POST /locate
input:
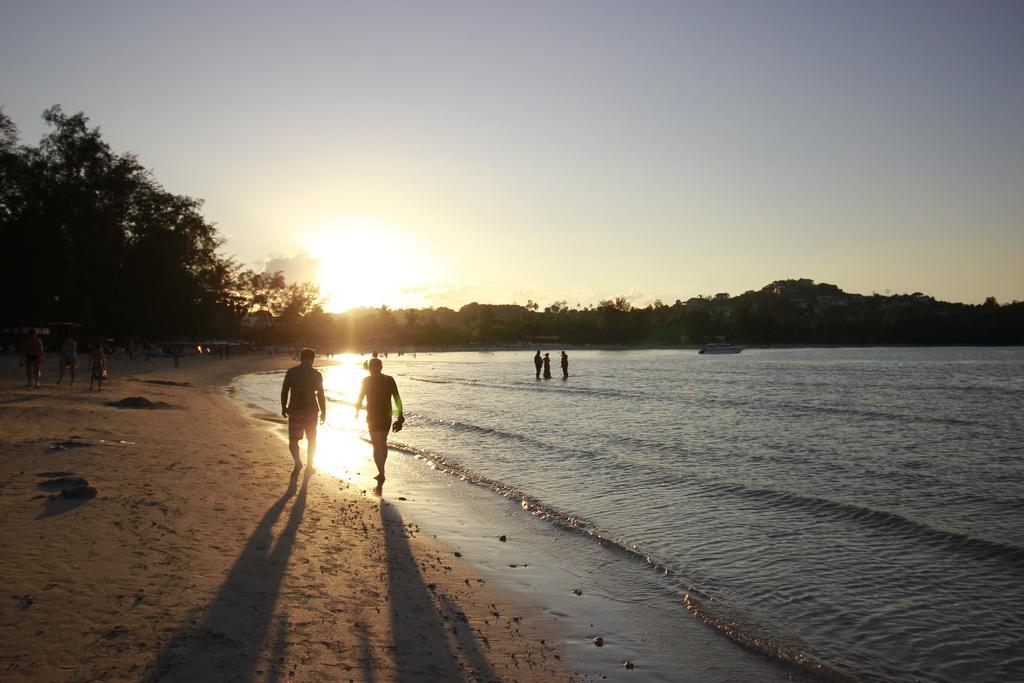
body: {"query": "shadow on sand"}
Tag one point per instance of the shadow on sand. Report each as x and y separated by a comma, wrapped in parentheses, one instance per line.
(227, 644)
(58, 506)
(422, 636)
(430, 639)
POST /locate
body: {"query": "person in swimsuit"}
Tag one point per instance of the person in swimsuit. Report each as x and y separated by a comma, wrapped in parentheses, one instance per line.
(32, 349)
(98, 363)
(538, 363)
(68, 359)
(302, 400)
(378, 389)
(565, 365)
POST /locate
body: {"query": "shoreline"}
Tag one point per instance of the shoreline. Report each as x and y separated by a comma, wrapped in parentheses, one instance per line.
(198, 562)
(589, 588)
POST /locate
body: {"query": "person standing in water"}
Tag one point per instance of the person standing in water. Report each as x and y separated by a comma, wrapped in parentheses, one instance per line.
(547, 366)
(538, 363)
(302, 399)
(377, 390)
(565, 365)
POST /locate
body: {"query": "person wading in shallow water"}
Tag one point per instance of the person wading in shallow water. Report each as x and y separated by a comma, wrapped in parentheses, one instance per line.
(302, 398)
(547, 366)
(565, 365)
(378, 389)
(538, 363)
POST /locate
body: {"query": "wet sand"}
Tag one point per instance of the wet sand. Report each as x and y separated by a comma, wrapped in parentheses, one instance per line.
(199, 558)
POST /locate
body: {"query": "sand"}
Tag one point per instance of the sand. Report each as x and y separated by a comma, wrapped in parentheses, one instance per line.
(200, 559)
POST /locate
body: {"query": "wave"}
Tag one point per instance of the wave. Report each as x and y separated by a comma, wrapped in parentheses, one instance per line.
(977, 548)
(499, 433)
(818, 409)
(881, 520)
(573, 523)
(763, 645)
(534, 386)
(881, 415)
(528, 503)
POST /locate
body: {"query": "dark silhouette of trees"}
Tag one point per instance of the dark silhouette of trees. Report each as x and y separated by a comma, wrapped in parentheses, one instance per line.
(90, 236)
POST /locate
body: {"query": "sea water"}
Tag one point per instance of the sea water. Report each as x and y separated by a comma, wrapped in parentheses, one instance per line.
(856, 511)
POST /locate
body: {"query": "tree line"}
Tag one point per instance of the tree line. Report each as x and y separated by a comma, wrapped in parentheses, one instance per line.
(91, 237)
(785, 312)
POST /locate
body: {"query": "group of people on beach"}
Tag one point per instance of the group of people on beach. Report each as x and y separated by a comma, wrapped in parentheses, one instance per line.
(32, 354)
(543, 364)
(304, 404)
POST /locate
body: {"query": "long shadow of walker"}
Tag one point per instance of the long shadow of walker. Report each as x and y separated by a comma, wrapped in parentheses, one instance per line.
(227, 644)
(417, 627)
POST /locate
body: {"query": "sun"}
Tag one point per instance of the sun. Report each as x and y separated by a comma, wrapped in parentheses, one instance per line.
(366, 262)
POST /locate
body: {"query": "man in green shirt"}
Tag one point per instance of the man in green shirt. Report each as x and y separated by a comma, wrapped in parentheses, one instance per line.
(302, 399)
(377, 390)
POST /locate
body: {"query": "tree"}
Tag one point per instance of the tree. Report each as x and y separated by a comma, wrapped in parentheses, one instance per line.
(119, 253)
(254, 291)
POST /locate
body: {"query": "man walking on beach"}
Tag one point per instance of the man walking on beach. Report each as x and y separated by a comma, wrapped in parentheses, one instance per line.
(378, 389)
(302, 398)
(98, 366)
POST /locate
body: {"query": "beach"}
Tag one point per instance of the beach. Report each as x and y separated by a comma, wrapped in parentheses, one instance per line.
(198, 558)
(708, 530)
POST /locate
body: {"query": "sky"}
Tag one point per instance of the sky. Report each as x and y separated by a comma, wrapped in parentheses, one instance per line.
(437, 153)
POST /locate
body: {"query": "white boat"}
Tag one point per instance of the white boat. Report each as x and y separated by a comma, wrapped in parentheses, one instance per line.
(720, 348)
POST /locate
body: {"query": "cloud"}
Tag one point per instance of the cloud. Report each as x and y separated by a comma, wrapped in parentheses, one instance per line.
(453, 296)
(583, 297)
(299, 268)
(636, 296)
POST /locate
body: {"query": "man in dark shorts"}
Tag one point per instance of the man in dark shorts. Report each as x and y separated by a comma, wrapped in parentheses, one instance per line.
(378, 389)
(302, 399)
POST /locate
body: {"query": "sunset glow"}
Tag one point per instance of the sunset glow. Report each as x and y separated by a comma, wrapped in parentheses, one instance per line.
(367, 262)
(731, 144)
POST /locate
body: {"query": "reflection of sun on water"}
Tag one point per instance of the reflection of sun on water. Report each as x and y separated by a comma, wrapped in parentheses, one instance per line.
(368, 263)
(339, 451)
